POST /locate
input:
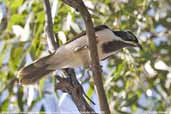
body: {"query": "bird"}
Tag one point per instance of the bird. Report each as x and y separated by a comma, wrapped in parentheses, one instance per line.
(75, 53)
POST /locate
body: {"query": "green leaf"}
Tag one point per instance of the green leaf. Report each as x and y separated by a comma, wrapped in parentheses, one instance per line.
(20, 99)
(16, 4)
(119, 71)
(15, 59)
(3, 53)
(16, 19)
(90, 92)
(4, 106)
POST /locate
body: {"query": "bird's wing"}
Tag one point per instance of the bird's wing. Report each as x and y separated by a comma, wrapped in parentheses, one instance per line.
(80, 48)
(97, 28)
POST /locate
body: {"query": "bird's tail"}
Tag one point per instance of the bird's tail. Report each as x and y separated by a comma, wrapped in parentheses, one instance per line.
(35, 71)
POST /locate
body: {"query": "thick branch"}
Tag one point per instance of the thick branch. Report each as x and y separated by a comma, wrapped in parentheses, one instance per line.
(69, 84)
(97, 76)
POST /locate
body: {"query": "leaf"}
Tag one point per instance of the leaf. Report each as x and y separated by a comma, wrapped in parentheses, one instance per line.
(4, 106)
(36, 48)
(119, 71)
(160, 65)
(16, 4)
(15, 59)
(17, 30)
(149, 69)
(3, 53)
(20, 99)
(90, 92)
(16, 19)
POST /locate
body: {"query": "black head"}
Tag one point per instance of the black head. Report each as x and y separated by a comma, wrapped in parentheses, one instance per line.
(128, 37)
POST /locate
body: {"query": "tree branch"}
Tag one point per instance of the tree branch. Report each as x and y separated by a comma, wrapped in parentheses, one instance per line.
(69, 84)
(97, 76)
(49, 27)
(73, 87)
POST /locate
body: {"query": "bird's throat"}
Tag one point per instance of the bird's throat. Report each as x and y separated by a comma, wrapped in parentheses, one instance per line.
(110, 47)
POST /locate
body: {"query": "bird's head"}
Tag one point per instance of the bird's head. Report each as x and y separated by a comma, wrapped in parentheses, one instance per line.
(127, 38)
(120, 40)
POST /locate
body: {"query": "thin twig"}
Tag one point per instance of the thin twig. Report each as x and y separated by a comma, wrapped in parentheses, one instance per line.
(48, 27)
(97, 76)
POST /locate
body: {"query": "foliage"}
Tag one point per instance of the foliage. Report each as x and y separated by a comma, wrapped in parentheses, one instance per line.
(136, 81)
